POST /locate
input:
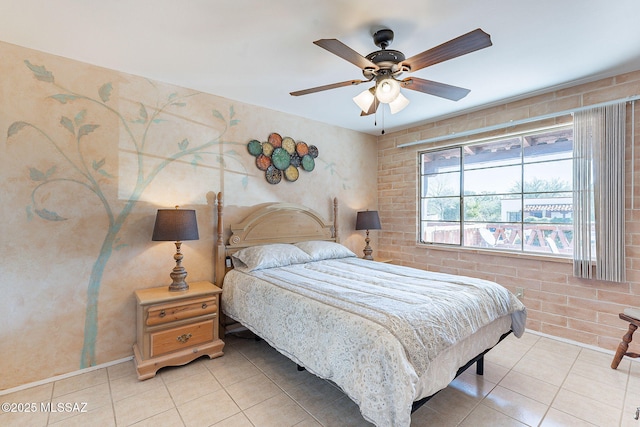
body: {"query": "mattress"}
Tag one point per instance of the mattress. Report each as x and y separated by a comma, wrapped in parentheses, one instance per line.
(387, 335)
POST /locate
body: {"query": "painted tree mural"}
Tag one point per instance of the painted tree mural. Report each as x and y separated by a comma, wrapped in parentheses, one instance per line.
(73, 164)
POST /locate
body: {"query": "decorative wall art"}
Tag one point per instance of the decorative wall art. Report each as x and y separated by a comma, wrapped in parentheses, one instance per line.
(278, 156)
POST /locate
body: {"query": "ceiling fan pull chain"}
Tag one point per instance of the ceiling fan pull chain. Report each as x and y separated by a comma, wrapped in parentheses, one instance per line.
(375, 111)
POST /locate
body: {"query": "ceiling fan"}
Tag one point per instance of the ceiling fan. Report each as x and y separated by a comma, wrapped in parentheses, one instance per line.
(384, 66)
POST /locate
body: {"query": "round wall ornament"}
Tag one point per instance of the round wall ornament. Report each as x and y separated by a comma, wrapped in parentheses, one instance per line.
(282, 156)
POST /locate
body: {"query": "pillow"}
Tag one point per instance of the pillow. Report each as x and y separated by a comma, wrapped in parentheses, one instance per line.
(320, 249)
(268, 256)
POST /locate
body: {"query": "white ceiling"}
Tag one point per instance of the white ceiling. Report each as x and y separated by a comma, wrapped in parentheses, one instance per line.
(257, 51)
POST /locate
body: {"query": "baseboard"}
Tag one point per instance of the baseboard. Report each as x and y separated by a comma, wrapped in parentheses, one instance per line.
(63, 376)
(579, 344)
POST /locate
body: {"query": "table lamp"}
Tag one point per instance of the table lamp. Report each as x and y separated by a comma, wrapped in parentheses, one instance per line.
(176, 225)
(368, 220)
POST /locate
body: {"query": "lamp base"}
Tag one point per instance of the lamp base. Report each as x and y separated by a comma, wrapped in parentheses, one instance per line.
(367, 249)
(178, 274)
(367, 253)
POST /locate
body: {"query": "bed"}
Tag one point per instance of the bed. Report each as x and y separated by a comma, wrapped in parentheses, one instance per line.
(389, 336)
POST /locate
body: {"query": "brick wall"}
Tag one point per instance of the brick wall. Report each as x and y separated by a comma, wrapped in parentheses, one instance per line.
(558, 304)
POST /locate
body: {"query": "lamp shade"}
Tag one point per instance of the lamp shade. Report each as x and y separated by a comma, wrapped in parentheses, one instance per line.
(365, 99)
(387, 89)
(368, 220)
(398, 104)
(175, 225)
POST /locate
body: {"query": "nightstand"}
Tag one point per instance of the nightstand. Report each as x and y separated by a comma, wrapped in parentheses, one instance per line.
(174, 328)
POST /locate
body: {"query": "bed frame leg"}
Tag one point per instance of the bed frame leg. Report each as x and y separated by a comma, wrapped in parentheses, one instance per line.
(480, 366)
(300, 368)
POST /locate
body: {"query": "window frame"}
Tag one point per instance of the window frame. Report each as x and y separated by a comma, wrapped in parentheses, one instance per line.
(463, 197)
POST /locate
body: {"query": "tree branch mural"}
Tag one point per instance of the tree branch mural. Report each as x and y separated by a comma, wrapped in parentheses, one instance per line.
(75, 167)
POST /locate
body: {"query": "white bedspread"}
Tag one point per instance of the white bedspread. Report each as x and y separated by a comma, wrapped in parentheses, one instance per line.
(372, 328)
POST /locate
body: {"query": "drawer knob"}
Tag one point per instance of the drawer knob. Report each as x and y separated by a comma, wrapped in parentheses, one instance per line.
(204, 305)
(162, 313)
(184, 338)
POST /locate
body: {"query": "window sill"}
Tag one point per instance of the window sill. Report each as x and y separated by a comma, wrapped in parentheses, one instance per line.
(507, 254)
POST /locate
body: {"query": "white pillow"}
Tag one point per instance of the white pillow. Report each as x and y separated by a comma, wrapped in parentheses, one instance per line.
(268, 256)
(321, 249)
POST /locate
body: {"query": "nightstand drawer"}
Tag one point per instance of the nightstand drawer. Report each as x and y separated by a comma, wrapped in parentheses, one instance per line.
(181, 337)
(165, 313)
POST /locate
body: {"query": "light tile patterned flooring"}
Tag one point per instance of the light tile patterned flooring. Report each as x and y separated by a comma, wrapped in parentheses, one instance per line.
(532, 381)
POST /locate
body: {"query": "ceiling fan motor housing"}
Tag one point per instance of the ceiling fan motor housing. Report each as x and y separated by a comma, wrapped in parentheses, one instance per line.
(383, 38)
(387, 60)
(380, 57)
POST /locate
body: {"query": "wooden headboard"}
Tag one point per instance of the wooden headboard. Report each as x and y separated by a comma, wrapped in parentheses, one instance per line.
(271, 223)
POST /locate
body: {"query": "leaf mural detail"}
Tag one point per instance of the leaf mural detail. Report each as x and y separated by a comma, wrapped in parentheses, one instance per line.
(105, 91)
(50, 172)
(68, 124)
(182, 145)
(97, 165)
(196, 160)
(15, 128)
(40, 72)
(37, 175)
(331, 166)
(63, 98)
(105, 173)
(217, 114)
(86, 130)
(79, 118)
(49, 215)
(143, 113)
(232, 121)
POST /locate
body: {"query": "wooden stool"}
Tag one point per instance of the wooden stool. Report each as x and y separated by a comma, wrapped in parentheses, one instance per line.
(631, 315)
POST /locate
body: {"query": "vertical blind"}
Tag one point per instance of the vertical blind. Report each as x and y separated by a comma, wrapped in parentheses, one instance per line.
(598, 180)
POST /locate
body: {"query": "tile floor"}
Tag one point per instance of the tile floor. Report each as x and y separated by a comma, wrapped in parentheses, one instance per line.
(532, 381)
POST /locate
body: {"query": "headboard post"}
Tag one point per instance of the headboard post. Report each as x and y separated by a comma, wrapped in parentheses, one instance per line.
(220, 253)
(335, 220)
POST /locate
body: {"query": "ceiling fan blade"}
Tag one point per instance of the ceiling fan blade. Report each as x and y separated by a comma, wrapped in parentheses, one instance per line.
(430, 87)
(327, 87)
(466, 43)
(345, 52)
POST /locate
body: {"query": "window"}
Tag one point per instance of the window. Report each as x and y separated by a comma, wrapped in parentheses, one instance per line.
(513, 193)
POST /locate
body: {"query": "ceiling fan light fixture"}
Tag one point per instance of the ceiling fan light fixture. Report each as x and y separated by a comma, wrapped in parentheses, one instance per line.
(364, 99)
(387, 89)
(398, 104)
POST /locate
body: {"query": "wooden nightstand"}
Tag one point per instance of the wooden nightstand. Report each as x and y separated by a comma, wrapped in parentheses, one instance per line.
(174, 328)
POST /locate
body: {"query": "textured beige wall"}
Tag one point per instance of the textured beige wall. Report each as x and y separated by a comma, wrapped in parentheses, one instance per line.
(558, 304)
(87, 156)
